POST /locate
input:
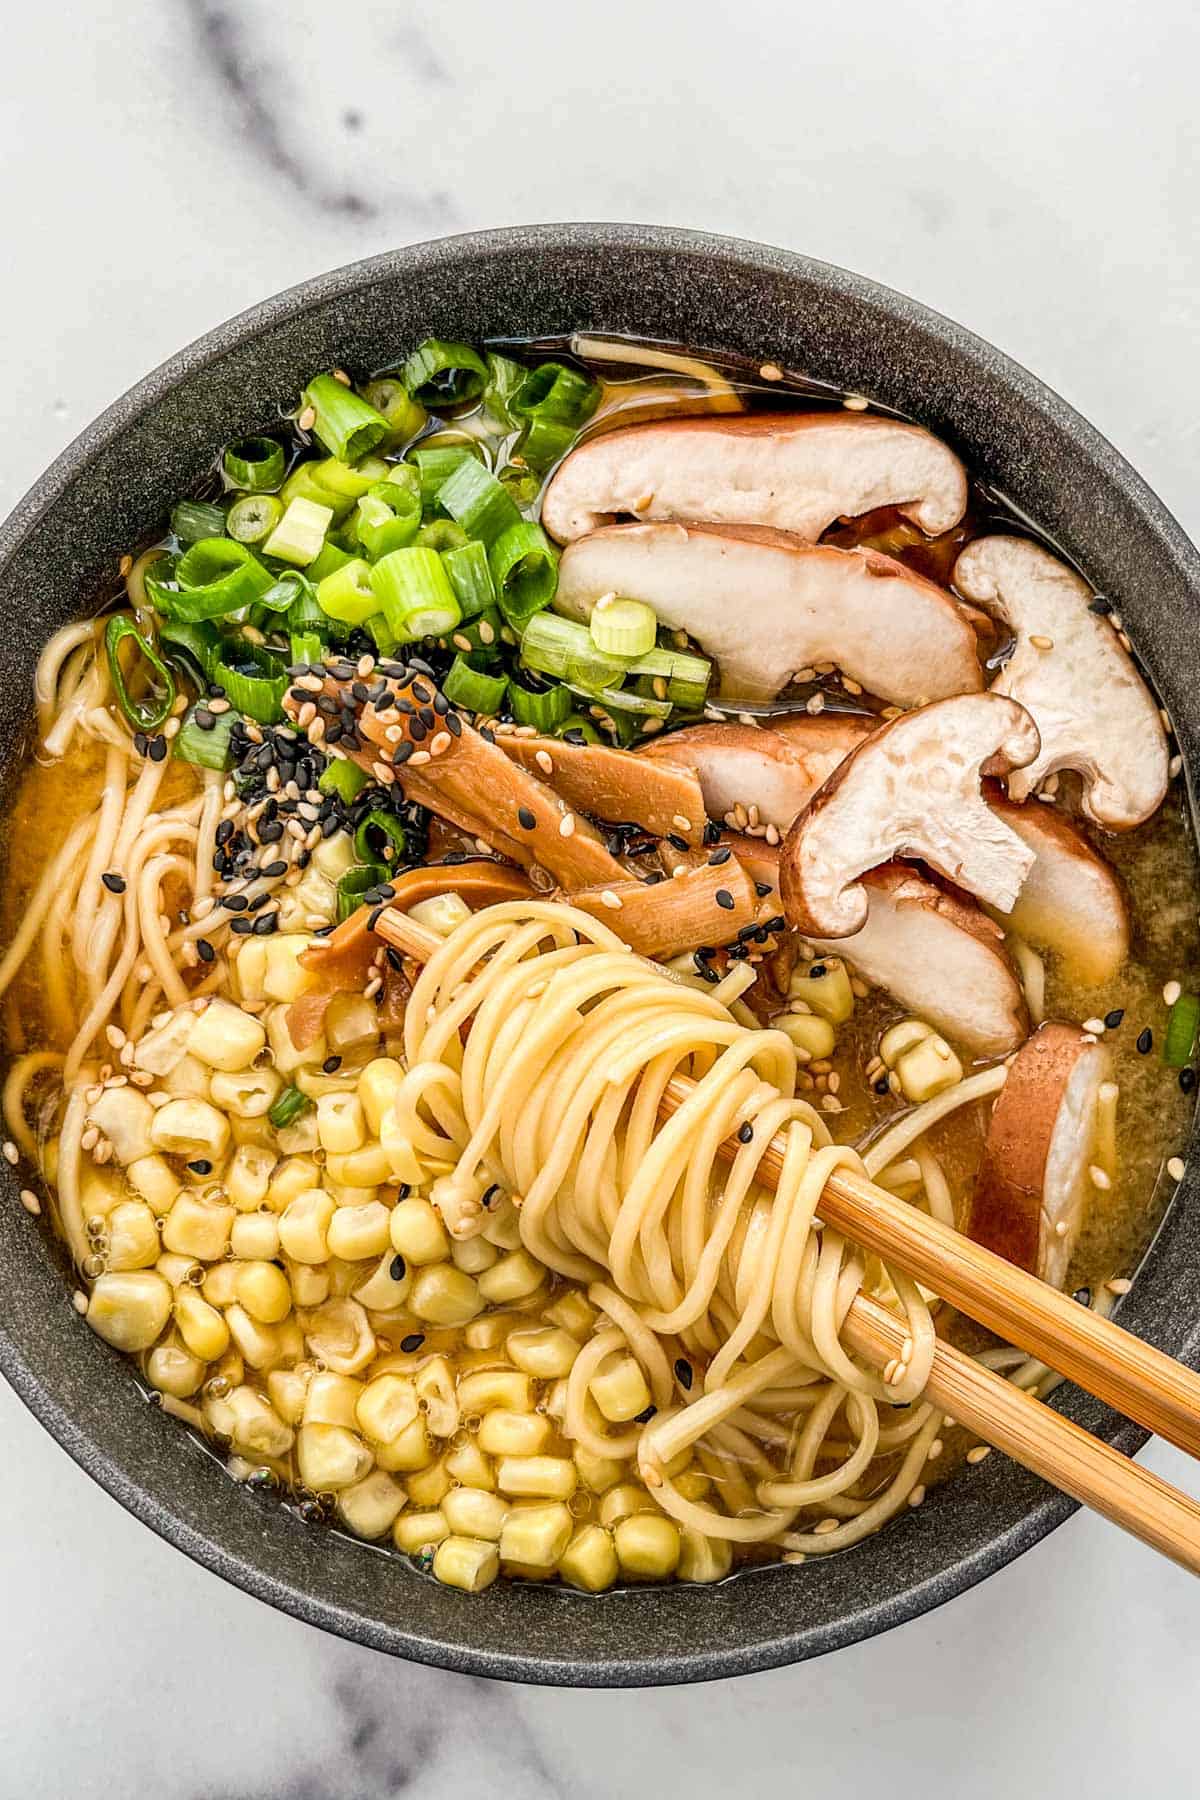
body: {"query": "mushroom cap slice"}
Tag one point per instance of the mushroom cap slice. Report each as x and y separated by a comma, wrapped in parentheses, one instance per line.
(776, 767)
(766, 604)
(912, 789)
(796, 471)
(1034, 1177)
(1071, 901)
(1071, 672)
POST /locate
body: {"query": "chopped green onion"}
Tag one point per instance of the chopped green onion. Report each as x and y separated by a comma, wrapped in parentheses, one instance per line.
(436, 466)
(354, 884)
(192, 520)
(1183, 1022)
(340, 478)
(521, 484)
(303, 484)
(330, 559)
(300, 533)
(565, 649)
(254, 679)
(347, 594)
(475, 499)
(343, 778)
(623, 627)
(389, 517)
(525, 571)
(415, 595)
(253, 517)
(255, 464)
(554, 391)
(578, 727)
(405, 416)
(619, 700)
(379, 629)
(471, 578)
(289, 590)
(214, 577)
(345, 423)
(544, 707)
(145, 717)
(195, 645)
(480, 638)
(442, 534)
(504, 378)
(290, 1106)
(380, 837)
(305, 647)
(473, 689)
(440, 374)
(544, 441)
(207, 745)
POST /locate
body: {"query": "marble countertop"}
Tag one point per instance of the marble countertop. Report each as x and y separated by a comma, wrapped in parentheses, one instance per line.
(1030, 170)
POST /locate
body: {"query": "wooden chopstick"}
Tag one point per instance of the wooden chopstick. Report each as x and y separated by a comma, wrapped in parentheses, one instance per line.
(1140, 1381)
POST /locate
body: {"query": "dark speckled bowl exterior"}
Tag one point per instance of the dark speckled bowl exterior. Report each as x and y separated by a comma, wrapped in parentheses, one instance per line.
(115, 483)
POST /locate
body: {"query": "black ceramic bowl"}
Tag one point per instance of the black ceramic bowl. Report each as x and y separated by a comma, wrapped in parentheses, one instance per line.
(115, 483)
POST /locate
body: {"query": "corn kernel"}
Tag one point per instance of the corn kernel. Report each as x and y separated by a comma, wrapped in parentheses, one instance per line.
(288, 1390)
(225, 1037)
(356, 1232)
(467, 1464)
(188, 1080)
(514, 1277)
(340, 1123)
(647, 1545)
(126, 1119)
(597, 1472)
(434, 1383)
(430, 1485)
(366, 1167)
(473, 1255)
(378, 1086)
(173, 1370)
(386, 1288)
(329, 1456)
(417, 1232)
(198, 1228)
(219, 1286)
(129, 1310)
(132, 1237)
(703, 1558)
(442, 913)
(546, 1352)
(288, 1060)
(370, 1507)
(155, 1180)
(410, 1451)
(590, 1560)
(283, 977)
(483, 1389)
(338, 1333)
(386, 1406)
(443, 1295)
(259, 1345)
(190, 1128)
(248, 1094)
(540, 1477)
(621, 1501)
(351, 1022)
(475, 1513)
(825, 986)
(200, 1325)
(262, 1288)
(161, 1050)
(536, 1536)
(503, 1433)
(807, 1031)
(257, 1428)
(572, 1312)
(466, 1563)
(619, 1389)
(417, 1531)
(304, 1226)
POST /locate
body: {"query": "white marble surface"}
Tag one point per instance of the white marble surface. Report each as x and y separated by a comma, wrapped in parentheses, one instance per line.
(1030, 169)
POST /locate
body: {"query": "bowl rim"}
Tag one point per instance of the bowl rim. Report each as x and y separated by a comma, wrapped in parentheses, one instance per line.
(242, 329)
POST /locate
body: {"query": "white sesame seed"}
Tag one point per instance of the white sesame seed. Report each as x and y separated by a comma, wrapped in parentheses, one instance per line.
(815, 704)
(978, 1454)
(1119, 1284)
(856, 403)
(680, 823)
(1171, 993)
(1175, 767)
(566, 825)
(544, 761)
(1096, 1026)
(770, 371)
(440, 743)
(609, 899)
(11, 1153)
(935, 1450)
(307, 418)
(825, 1527)
(1099, 1178)
(1060, 1229)
(364, 666)
(79, 1301)
(1175, 1168)
(1040, 641)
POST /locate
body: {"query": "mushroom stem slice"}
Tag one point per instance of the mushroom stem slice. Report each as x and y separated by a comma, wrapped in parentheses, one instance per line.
(766, 604)
(795, 471)
(774, 769)
(1070, 670)
(912, 789)
(1033, 1186)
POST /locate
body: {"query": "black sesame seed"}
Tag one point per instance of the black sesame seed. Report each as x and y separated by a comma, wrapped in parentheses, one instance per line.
(265, 924)
(201, 1166)
(412, 1342)
(271, 832)
(397, 1269)
(1113, 1018)
(491, 1196)
(1187, 1080)
(1145, 1043)
(712, 832)
(762, 889)
(242, 927)
(374, 916)
(817, 971)
(204, 719)
(489, 737)
(273, 869)
(881, 1086)
(113, 882)
(724, 899)
(1100, 606)
(331, 1065)
(644, 1418)
(1083, 1295)
(676, 841)
(141, 742)
(528, 822)
(224, 831)
(158, 749)
(205, 951)
(258, 902)
(745, 1132)
(235, 902)
(454, 724)
(684, 1373)
(719, 858)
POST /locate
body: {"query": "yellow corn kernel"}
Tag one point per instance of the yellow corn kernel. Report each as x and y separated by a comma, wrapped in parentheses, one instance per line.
(332, 1400)
(283, 977)
(547, 1352)
(825, 986)
(489, 1331)
(255, 1237)
(130, 1310)
(370, 1507)
(161, 1050)
(647, 1545)
(622, 1501)
(219, 1286)
(173, 1370)
(257, 1428)
(155, 1180)
(514, 1277)
(126, 1119)
(808, 1031)
(467, 1464)
(442, 913)
(386, 1287)
(338, 1333)
(351, 1022)
(619, 1389)
(536, 1536)
(484, 1389)
(417, 1233)
(503, 1433)
(473, 1255)
(310, 1286)
(378, 1086)
(188, 1080)
(295, 1175)
(304, 1226)
(340, 1123)
(409, 1452)
(288, 1390)
(200, 1325)
(225, 1037)
(589, 1560)
(443, 1295)
(475, 1513)
(287, 1058)
(248, 1094)
(467, 1563)
(330, 1457)
(434, 1383)
(597, 1472)
(259, 1132)
(262, 1288)
(366, 1167)
(356, 1232)
(248, 1176)
(703, 1558)
(403, 1162)
(430, 1485)
(418, 1531)
(572, 1313)
(249, 969)
(132, 1237)
(924, 1063)
(198, 1228)
(190, 1128)
(258, 1344)
(537, 1477)
(386, 1406)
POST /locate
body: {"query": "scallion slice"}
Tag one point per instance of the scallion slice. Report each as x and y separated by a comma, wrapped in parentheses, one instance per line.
(1183, 1022)
(329, 558)
(346, 424)
(304, 484)
(623, 627)
(439, 374)
(578, 729)
(214, 577)
(253, 517)
(555, 391)
(389, 517)
(192, 520)
(343, 778)
(290, 1106)
(143, 715)
(477, 502)
(254, 464)
(504, 378)
(525, 571)
(619, 700)
(442, 534)
(544, 707)
(380, 837)
(209, 744)
(480, 638)
(253, 679)
(300, 533)
(340, 478)
(405, 416)
(347, 594)
(385, 638)
(354, 884)
(544, 441)
(195, 645)
(474, 689)
(436, 466)
(562, 647)
(415, 595)
(471, 578)
(305, 647)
